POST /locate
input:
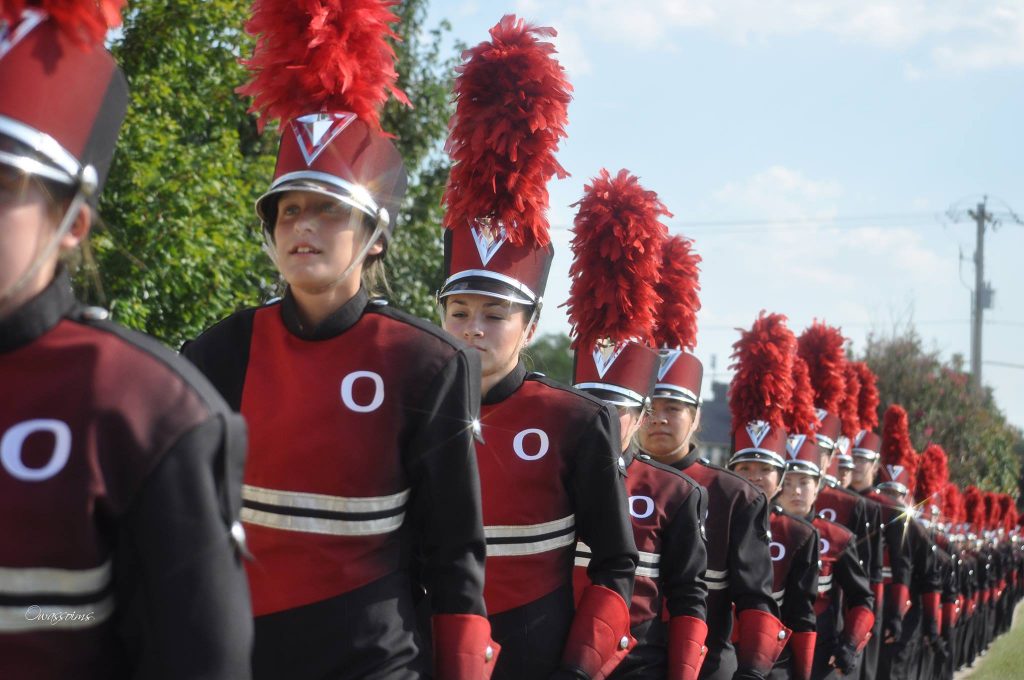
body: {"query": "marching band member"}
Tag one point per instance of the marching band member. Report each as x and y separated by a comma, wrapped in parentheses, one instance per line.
(361, 483)
(768, 407)
(666, 507)
(121, 467)
(548, 454)
(739, 572)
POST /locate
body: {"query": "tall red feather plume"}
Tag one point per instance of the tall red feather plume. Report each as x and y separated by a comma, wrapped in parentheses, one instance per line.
(896, 446)
(821, 346)
(1010, 514)
(848, 411)
(85, 22)
(933, 473)
(801, 417)
(1005, 503)
(974, 507)
(762, 387)
(992, 511)
(321, 55)
(867, 400)
(952, 503)
(616, 246)
(678, 289)
(511, 108)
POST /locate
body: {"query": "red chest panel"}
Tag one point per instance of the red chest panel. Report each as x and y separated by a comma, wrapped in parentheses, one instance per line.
(787, 536)
(525, 455)
(836, 506)
(84, 416)
(325, 488)
(833, 540)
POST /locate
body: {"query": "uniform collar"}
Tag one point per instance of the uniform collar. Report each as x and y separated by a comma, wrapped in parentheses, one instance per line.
(339, 321)
(38, 315)
(507, 386)
(687, 460)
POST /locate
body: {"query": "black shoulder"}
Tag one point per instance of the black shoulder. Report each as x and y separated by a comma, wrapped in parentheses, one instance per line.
(733, 482)
(382, 308)
(163, 357)
(799, 523)
(588, 399)
(223, 335)
(668, 469)
(221, 353)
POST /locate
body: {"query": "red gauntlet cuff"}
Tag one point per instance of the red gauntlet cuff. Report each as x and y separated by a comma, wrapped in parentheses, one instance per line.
(801, 647)
(899, 596)
(879, 590)
(950, 610)
(686, 649)
(761, 639)
(463, 649)
(599, 637)
(932, 608)
(857, 626)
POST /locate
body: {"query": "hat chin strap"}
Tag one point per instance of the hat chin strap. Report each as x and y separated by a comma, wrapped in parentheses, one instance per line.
(86, 187)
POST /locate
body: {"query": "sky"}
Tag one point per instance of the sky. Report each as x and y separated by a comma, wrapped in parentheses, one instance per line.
(822, 155)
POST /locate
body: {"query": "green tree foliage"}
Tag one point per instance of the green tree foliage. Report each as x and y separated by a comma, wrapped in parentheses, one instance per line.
(181, 247)
(550, 354)
(983, 448)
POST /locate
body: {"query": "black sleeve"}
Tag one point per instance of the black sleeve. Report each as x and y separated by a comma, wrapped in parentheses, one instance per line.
(878, 541)
(184, 591)
(950, 585)
(440, 461)
(222, 355)
(750, 562)
(684, 557)
(926, 571)
(900, 558)
(802, 587)
(602, 513)
(853, 579)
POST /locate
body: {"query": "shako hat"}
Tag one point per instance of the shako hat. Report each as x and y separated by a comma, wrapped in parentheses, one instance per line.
(899, 462)
(617, 256)
(324, 70)
(62, 97)
(511, 108)
(821, 346)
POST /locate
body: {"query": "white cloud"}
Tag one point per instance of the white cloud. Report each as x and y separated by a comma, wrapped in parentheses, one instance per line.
(956, 35)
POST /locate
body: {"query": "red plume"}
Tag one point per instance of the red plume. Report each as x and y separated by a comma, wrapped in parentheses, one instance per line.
(896, 446)
(848, 412)
(511, 108)
(86, 22)
(974, 507)
(762, 387)
(321, 55)
(821, 347)
(933, 474)
(678, 289)
(992, 511)
(867, 400)
(1010, 515)
(800, 417)
(616, 265)
(952, 503)
(1005, 503)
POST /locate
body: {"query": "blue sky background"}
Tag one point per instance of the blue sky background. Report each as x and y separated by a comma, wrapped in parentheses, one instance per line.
(811, 149)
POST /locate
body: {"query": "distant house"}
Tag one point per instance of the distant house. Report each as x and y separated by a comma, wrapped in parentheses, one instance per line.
(714, 439)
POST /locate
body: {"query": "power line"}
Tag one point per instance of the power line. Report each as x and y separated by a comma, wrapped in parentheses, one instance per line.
(1005, 364)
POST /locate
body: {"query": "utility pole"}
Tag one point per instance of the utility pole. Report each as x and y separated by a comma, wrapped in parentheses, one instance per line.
(982, 291)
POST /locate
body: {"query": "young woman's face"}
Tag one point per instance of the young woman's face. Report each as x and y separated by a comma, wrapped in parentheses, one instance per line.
(497, 329)
(28, 221)
(864, 470)
(630, 420)
(799, 491)
(845, 476)
(668, 427)
(762, 475)
(316, 238)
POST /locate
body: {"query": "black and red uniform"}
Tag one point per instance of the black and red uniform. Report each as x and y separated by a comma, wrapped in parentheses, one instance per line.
(360, 466)
(739, 573)
(550, 474)
(667, 510)
(896, 566)
(845, 603)
(794, 553)
(119, 486)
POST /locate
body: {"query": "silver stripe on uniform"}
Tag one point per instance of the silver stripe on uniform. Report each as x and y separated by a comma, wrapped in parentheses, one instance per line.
(52, 581)
(319, 501)
(23, 619)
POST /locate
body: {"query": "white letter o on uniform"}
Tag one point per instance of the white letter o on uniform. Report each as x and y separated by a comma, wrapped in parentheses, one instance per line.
(776, 550)
(828, 513)
(542, 448)
(378, 391)
(647, 500)
(824, 546)
(14, 439)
